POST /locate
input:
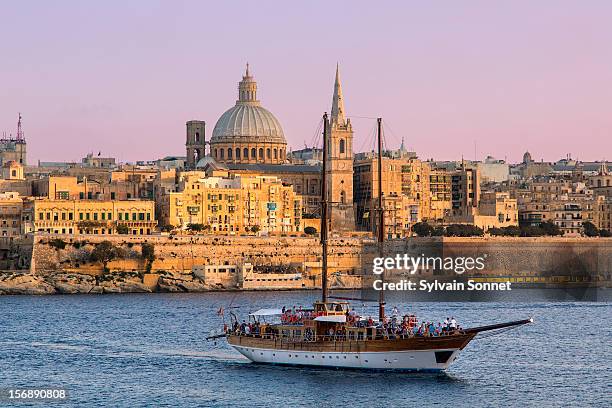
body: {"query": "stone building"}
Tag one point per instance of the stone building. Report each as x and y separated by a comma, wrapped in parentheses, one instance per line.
(88, 216)
(406, 192)
(196, 142)
(440, 187)
(601, 183)
(249, 140)
(232, 204)
(465, 191)
(14, 148)
(11, 207)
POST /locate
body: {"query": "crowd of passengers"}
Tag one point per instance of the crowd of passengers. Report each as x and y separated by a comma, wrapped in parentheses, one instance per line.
(391, 327)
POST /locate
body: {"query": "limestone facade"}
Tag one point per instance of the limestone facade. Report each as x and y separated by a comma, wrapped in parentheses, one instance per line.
(88, 216)
(233, 204)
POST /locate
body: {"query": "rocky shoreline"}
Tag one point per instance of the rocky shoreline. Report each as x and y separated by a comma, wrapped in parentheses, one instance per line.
(74, 283)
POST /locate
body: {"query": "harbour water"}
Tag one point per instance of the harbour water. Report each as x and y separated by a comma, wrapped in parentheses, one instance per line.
(150, 350)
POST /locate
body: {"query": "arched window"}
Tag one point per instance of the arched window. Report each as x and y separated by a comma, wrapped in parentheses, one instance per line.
(221, 153)
(261, 153)
(197, 155)
(342, 148)
(229, 153)
(280, 154)
(237, 153)
(197, 136)
(215, 155)
(245, 153)
(342, 197)
(275, 154)
(268, 154)
(253, 153)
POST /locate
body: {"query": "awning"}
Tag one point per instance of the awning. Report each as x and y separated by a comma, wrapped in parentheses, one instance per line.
(332, 318)
(267, 312)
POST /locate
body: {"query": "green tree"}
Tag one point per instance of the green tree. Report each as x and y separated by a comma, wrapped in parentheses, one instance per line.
(105, 252)
(463, 230)
(550, 228)
(605, 233)
(310, 230)
(122, 229)
(255, 229)
(590, 230)
(148, 254)
(422, 229)
(532, 231)
(195, 227)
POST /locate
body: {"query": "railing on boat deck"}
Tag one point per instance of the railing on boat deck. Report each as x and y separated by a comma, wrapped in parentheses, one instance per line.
(287, 339)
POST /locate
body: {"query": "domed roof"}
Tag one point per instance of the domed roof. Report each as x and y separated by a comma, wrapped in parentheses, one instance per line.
(251, 121)
(248, 121)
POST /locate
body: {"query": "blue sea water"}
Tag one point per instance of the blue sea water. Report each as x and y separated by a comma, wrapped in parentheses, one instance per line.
(150, 350)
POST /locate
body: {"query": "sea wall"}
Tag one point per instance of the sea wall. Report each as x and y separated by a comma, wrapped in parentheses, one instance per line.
(61, 264)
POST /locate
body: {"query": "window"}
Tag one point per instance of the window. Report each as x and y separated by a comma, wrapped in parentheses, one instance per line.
(81, 195)
(261, 156)
(81, 216)
(133, 216)
(110, 216)
(70, 218)
(112, 195)
(253, 153)
(197, 136)
(237, 153)
(245, 153)
(221, 153)
(229, 153)
(41, 216)
(95, 216)
(342, 147)
(275, 154)
(268, 154)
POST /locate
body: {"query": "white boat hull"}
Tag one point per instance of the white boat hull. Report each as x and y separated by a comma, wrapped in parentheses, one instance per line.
(410, 360)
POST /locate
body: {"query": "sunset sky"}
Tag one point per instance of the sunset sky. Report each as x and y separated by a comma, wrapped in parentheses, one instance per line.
(123, 77)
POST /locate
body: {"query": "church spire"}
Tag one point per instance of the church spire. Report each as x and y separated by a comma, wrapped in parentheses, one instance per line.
(337, 111)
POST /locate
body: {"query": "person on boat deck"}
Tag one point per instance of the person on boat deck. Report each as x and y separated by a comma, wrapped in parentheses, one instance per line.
(395, 311)
(370, 321)
(453, 323)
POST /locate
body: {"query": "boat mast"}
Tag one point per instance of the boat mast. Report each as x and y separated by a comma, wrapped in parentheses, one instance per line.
(324, 204)
(381, 222)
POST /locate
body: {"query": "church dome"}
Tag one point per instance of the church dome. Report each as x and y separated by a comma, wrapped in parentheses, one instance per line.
(248, 132)
(247, 121)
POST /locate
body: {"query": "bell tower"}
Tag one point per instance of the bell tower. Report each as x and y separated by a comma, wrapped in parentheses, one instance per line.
(196, 143)
(340, 166)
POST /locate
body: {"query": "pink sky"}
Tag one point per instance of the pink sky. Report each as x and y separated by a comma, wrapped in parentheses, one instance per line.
(124, 77)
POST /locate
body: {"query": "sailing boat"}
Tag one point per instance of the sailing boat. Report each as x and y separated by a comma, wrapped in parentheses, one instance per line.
(330, 335)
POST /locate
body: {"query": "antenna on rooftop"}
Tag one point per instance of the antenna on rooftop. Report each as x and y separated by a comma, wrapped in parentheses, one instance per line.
(20, 136)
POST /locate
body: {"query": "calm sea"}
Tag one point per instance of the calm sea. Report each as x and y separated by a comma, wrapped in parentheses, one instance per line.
(150, 350)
